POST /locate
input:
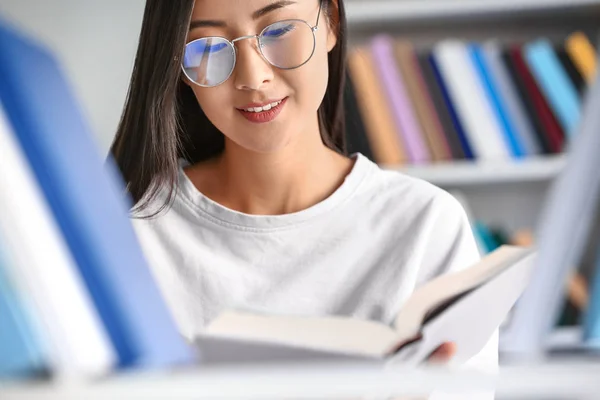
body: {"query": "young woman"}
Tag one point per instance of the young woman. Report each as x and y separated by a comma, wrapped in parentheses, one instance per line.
(232, 147)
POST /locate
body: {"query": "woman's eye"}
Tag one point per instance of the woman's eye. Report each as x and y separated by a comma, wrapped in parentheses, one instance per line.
(278, 31)
(215, 48)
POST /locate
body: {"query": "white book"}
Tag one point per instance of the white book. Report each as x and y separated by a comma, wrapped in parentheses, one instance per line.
(474, 109)
(465, 307)
(78, 344)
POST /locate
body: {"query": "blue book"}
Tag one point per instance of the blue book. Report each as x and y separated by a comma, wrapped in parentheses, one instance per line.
(86, 198)
(554, 83)
(490, 87)
(21, 353)
(591, 319)
(469, 155)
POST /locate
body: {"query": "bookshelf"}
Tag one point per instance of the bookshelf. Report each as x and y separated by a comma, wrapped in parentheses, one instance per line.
(567, 378)
(575, 378)
(464, 173)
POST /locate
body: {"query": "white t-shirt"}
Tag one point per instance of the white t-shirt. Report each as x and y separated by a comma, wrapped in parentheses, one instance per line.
(360, 252)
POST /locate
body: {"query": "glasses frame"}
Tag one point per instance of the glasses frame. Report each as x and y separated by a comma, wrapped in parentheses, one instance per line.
(313, 29)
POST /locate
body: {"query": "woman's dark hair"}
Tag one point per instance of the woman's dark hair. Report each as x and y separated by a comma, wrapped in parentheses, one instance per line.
(162, 120)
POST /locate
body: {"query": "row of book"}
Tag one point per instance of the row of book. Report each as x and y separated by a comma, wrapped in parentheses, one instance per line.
(465, 100)
(76, 295)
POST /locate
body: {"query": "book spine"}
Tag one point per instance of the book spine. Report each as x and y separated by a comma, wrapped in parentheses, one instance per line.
(468, 97)
(515, 109)
(571, 70)
(489, 84)
(551, 133)
(424, 111)
(375, 112)
(439, 96)
(382, 47)
(554, 83)
(584, 55)
(356, 136)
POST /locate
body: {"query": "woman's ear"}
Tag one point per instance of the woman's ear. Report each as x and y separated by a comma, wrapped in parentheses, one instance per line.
(331, 39)
(333, 25)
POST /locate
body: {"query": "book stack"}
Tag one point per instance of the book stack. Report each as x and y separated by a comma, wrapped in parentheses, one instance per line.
(76, 295)
(465, 100)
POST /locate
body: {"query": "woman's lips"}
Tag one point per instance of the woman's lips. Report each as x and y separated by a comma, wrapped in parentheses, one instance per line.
(264, 116)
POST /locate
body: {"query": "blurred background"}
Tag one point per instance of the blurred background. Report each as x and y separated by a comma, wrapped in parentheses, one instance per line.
(483, 99)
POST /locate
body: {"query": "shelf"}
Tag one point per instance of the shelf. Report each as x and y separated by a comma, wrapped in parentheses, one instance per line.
(564, 379)
(377, 11)
(465, 173)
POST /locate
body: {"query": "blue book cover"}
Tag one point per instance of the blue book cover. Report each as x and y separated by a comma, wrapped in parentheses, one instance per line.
(591, 319)
(87, 201)
(489, 85)
(554, 83)
(451, 109)
(21, 353)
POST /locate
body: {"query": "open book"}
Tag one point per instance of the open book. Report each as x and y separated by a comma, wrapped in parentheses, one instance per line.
(464, 307)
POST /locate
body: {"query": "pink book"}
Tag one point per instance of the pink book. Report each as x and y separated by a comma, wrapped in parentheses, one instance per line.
(402, 110)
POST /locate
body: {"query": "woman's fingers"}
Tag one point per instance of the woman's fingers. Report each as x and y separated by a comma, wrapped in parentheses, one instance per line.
(443, 354)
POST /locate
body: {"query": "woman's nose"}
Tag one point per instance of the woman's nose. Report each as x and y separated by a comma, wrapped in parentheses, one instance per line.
(252, 71)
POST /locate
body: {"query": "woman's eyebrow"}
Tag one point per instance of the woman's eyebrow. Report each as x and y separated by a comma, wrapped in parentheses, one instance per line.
(198, 23)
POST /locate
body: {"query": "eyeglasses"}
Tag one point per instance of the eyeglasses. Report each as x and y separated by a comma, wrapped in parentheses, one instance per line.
(288, 44)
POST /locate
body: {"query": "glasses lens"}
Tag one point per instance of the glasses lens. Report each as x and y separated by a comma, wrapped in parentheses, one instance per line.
(208, 61)
(287, 44)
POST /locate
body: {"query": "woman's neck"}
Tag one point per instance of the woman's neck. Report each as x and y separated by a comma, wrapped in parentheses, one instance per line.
(284, 182)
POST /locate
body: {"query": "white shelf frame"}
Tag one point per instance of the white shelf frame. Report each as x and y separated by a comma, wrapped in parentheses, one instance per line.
(566, 379)
(378, 11)
(469, 173)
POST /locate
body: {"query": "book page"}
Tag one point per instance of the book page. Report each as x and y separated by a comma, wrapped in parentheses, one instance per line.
(334, 334)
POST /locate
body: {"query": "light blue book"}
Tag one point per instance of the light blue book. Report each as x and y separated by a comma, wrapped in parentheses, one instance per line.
(591, 320)
(86, 198)
(490, 86)
(554, 83)
(21, 353)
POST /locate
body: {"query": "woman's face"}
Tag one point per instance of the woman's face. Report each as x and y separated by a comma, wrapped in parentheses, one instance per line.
(254, 81)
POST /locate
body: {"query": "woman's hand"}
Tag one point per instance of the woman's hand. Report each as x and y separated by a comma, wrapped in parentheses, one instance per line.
(442, 354)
